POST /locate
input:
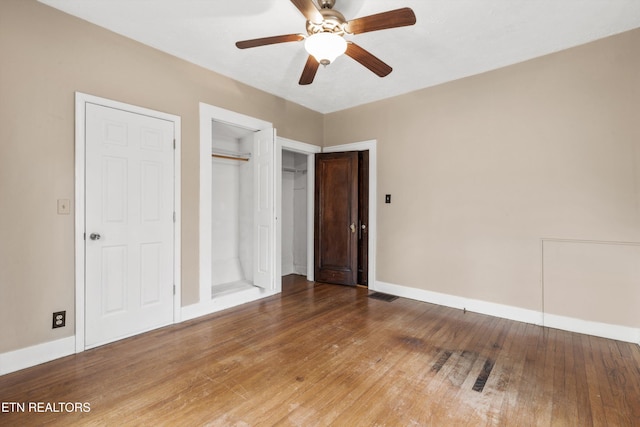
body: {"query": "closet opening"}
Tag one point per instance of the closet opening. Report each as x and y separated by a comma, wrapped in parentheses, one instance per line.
(232, 212)
(294, 221)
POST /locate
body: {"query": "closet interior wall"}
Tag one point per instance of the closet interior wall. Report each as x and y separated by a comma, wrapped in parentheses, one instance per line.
(232, 214)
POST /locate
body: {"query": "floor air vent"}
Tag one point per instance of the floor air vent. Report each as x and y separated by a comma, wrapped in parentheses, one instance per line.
(383, 297)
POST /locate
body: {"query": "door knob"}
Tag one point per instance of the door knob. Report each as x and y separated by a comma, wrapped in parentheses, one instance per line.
(353, 227)
(94, 236)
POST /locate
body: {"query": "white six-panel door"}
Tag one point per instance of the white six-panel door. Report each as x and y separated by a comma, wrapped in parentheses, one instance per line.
(129, 221)
(264, 209)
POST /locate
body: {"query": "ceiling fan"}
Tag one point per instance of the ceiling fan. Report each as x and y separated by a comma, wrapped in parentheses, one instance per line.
(325, 40)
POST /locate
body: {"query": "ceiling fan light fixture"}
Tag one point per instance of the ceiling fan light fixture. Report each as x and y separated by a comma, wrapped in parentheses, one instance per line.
(325, 47)
(326, 29)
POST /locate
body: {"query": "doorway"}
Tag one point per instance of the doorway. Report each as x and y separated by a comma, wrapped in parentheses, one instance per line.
(294, 213)
(127, 220)
(252, 275)
(371, 232)
(301, 155)
(341, 218)
(231, 209)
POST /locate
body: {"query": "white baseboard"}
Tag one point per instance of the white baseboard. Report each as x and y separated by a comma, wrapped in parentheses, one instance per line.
(477, 306)
(223, 302)
(300, 270)
(616, 332)
(605, 330)
(41, 353)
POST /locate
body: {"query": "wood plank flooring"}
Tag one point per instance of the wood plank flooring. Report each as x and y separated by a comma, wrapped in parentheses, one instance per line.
(320, 355)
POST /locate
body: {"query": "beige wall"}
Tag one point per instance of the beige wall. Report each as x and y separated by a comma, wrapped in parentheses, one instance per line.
(483, 168)
(45, 56)
(480, 169)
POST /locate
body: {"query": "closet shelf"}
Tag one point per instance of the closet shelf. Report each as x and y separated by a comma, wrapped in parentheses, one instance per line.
(294, 170)
(230, 155)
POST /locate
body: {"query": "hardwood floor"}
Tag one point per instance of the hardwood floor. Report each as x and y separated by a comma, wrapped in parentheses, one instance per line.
(328, 355)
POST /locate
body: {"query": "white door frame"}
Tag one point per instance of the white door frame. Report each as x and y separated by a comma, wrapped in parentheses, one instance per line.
(209, 114)
(373, 202)
(80, 143)
(310, 151)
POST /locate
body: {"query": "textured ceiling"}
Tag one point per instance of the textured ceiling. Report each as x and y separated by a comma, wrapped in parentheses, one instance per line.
(452, 39)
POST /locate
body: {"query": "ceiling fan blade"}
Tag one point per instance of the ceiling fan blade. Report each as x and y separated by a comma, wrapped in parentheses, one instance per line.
(309, 10)
(382, 21)
(309, 72)
(245, 44)
(368, 60)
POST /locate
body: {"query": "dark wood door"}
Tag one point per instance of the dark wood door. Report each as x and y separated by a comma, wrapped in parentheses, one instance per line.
(363, 218)
(336, 218)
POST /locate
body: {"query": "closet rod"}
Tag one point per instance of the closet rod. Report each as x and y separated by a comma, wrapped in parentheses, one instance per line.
(221, 156)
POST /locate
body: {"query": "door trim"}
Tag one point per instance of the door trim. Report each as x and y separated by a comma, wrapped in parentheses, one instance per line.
(81, 99)
(370, 145)
(209, 114)
(310, 151)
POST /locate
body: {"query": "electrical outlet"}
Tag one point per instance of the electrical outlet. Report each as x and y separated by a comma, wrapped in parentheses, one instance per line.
(59, 319)
(387, 198)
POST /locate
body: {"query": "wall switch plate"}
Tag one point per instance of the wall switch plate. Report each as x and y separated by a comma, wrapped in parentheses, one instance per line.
(387, 198)
(64, 207)
(59, 319)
